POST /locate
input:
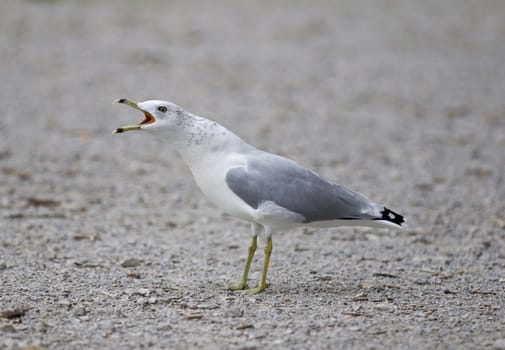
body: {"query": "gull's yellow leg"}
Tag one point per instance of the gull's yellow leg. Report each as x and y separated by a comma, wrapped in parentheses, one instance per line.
(266, 259)
(250, 255)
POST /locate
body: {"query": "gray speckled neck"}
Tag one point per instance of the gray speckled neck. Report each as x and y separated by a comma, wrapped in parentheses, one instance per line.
(202, 136)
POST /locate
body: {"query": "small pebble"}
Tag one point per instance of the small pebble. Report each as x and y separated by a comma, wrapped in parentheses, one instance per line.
(131, 262)
(80, 311)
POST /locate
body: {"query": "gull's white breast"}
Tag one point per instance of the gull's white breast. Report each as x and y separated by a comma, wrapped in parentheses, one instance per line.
(210, 175)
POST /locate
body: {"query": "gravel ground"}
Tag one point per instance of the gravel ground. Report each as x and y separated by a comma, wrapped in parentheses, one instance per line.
(106, 242)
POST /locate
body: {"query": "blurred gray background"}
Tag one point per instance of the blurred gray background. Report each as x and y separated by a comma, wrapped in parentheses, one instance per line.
(106, 242)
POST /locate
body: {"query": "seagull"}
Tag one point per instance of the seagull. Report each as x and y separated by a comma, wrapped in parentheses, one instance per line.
(271, 192)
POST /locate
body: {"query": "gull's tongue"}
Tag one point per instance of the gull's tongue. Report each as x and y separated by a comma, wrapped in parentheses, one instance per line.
(148, 119)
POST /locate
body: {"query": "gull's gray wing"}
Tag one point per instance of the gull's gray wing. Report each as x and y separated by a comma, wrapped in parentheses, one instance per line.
(267, 177)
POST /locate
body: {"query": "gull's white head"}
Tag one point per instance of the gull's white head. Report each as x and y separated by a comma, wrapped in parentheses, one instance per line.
(158, 115)
(192, 135)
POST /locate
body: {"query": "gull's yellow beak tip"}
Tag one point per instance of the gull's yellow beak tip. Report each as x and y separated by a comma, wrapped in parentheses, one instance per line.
(119, 100)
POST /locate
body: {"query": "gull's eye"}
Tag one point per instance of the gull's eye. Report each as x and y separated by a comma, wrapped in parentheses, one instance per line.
(162, 109)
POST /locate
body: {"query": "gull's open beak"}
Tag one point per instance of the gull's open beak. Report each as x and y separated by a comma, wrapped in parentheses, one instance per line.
(148, 118)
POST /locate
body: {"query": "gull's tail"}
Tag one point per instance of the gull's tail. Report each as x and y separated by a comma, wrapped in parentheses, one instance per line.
(390, 218)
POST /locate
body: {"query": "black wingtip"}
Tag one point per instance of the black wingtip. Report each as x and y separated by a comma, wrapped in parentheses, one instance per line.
(391, 216)
(121, 100)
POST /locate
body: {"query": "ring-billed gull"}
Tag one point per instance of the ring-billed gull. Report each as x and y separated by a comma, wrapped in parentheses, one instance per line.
(271, 192)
